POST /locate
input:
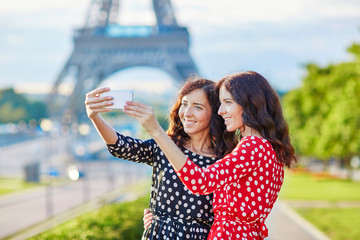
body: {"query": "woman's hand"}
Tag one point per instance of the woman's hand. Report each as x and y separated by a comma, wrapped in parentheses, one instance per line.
(148, 217)
(144, 115)
(95, 103)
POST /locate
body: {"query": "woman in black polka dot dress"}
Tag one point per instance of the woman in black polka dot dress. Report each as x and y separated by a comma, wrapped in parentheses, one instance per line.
(197, 129)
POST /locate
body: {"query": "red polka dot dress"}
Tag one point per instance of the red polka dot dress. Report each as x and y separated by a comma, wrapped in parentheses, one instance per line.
(245, 183)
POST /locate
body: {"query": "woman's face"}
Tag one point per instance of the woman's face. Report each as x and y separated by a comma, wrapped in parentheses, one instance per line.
(195, 112)
(230, 110)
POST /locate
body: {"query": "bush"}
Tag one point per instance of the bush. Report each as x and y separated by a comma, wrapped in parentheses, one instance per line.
(114, 221)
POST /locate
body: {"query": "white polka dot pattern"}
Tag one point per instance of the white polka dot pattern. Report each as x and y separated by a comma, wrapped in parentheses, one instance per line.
(245, 184)
(178, 214)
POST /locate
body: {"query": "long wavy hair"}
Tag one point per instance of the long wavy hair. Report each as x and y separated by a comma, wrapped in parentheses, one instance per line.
(220, 144)
(261, 111)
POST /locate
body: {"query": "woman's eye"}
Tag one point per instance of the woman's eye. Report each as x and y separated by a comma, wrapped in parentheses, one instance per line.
(198, 107)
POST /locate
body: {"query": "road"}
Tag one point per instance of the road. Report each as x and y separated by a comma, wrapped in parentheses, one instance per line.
(22, 210)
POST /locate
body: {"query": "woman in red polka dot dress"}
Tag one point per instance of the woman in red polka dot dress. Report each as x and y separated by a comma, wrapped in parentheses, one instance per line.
(247, 181)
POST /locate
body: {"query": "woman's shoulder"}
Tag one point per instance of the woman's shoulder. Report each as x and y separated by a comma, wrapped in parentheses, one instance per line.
(129, 141)
(254, 140)
(251, 143)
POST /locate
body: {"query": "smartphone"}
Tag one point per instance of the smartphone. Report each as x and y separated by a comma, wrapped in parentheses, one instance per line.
(120, 97)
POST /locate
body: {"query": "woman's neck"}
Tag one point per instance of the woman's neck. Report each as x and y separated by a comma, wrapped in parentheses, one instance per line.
(200, 144)
(250, 132)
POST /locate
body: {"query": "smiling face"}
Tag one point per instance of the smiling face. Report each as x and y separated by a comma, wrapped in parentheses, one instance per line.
(230, 110)
(195, 112)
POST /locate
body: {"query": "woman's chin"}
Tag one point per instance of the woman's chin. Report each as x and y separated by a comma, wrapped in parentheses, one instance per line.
(230, 129)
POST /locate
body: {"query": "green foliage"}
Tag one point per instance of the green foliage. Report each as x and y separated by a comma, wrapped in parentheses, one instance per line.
(15, 107)
(114, 221)
(324, 113)
(338, 224)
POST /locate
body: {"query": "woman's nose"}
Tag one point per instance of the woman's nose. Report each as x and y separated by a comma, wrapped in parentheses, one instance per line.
(221, 110)
(187, 112)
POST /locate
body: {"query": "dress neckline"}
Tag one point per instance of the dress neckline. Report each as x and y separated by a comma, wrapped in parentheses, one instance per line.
(250, 136)
(187, 150)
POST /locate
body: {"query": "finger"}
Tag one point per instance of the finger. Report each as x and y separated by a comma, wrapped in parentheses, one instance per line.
(144, 109)
(138, 104)
(92, 100)
(148, 220)
(100, 104)
(146, 217)
(147, 223)
(146, 211)
(138, 116)
(97, 91)
(98, 99)
(147, 226)
(101, 110)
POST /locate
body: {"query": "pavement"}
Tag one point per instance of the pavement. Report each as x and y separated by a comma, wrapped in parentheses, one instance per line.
(285, 224)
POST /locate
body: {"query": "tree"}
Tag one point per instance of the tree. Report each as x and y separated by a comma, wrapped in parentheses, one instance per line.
(15, 107)
(324, 113)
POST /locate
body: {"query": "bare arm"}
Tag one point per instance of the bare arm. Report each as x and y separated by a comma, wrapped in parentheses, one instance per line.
(95, 105)
(145, 115)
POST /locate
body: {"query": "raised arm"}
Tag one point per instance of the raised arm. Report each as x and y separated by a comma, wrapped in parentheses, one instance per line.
(240, 162)
(145, 115)
(235, 165)
(96, 104)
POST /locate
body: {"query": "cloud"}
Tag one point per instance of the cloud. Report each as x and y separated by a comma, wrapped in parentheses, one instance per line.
(35, 6)
(234, 13)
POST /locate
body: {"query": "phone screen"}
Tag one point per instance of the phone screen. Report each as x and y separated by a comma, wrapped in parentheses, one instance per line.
(120, 97)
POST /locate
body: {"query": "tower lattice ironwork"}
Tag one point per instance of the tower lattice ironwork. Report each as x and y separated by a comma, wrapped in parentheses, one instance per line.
(103, 47)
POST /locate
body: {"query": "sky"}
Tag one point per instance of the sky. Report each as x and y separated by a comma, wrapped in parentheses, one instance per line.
(275, 38)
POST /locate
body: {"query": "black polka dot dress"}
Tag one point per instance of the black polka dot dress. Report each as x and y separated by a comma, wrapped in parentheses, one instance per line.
(177, 213)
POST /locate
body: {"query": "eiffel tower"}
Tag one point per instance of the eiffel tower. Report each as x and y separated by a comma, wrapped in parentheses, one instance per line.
(103, 47)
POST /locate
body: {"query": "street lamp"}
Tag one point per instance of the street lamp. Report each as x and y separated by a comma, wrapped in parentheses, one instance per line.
(80, 150)
(46, 125)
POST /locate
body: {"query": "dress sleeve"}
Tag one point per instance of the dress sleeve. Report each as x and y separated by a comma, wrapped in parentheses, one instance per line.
(244, 159)
(135, 150)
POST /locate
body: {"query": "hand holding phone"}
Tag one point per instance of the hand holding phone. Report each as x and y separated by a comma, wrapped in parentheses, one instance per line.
(120, 97)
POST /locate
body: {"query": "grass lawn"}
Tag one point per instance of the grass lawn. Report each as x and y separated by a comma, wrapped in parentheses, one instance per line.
(8, 185)
(303, 186)
(336, 223)
(119, 221)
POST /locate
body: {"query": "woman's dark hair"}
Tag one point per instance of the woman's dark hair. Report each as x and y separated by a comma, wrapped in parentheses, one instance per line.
(261, 111)
(219, 145)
